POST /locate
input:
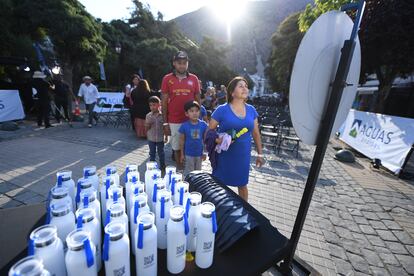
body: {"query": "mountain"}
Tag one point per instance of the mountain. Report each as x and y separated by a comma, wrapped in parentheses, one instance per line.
(250, 34)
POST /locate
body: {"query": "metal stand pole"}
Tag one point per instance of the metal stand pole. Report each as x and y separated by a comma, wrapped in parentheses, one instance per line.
(323, 135)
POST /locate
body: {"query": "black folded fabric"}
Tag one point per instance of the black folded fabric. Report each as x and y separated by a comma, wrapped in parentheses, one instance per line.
(233, 220)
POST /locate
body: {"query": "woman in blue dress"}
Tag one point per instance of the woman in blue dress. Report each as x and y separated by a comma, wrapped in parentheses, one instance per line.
(232, 117)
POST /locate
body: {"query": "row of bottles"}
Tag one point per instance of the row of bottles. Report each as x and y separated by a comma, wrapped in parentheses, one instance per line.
(158, 213)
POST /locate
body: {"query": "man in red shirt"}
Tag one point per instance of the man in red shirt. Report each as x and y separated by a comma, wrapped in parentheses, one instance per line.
(178, 88)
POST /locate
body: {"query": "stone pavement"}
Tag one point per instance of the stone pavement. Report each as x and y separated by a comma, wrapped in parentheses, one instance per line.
(360, 222)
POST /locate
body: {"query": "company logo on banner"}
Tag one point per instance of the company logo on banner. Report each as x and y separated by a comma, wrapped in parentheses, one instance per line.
(10, 106)
(374, 135)
(108, 98)
(388, 138)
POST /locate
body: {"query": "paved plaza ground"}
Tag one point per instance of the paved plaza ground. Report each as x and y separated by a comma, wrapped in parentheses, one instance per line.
(361, 221)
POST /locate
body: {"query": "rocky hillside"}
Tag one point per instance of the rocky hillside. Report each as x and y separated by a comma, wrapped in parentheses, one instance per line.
(252, 30)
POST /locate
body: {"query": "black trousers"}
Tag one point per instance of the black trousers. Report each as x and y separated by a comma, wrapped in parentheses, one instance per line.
(43, 110)
(59, 105)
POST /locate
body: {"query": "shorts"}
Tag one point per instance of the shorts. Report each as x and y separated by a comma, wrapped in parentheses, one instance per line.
(175, 136)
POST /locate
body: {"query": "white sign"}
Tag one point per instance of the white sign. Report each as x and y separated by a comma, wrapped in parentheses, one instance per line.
(10, 106)
(385, 137)
(109, 98)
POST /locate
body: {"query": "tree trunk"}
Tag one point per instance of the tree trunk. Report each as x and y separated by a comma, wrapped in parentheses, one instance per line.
(383, 93)
(68, 74)
(385, 76)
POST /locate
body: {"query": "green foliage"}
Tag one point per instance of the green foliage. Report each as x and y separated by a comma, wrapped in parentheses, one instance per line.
(311, 12)
(285, 43)
(79, 41)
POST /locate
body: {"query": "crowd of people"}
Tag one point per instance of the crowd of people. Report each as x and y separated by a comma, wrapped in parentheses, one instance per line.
(195, 122)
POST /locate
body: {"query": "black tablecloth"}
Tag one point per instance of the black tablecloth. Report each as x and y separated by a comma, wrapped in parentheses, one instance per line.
(260, 249)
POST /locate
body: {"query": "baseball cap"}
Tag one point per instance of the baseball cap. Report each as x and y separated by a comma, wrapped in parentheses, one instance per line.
(181, 55)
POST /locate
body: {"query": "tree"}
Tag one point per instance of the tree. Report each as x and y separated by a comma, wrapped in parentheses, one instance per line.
(75, 34)
(385, 36)
(387, 44)
(312, 12)
(285, 42)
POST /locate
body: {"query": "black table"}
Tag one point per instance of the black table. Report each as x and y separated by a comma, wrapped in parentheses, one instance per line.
(253, 254)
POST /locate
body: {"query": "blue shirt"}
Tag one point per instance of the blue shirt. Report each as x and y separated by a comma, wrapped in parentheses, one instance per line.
(194, 135)
(203, 112)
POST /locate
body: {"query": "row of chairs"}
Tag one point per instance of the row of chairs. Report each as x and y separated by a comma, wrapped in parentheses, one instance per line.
(115, 115)
(277, 131)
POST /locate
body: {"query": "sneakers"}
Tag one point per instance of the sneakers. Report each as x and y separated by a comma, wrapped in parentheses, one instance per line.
(89, 125)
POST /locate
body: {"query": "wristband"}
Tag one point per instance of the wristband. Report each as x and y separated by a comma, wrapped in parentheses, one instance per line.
(165, 124)
(260, 155)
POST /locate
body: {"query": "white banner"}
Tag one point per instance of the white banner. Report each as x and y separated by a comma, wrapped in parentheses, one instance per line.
(10, 106)
(108, 98)
(385, 137)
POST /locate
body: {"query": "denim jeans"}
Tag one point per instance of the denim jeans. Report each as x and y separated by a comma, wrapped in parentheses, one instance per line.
(91, 114)
(157, 147)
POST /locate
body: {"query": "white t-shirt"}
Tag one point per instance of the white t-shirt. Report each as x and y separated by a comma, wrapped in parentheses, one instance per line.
(89, 93)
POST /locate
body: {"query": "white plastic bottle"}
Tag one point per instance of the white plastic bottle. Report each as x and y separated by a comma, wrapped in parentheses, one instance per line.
(115, 196)
(139, 206)
(29, 266)
(159, 185)
(149, 187)
(193, 212)
(87, 220)
(133, 189)
(89, 173)
(80, 257)
(130, 168)
(169, 172)
(63, 218)
(177, 230)
(111, 171)
(133, 177)
(82, 185)
(116, 213)
(45, 244)
(107, 182)
(162, 215)
(89, 199)
(64, 178)
(151, 165)
(59, 195)
(175, 178)
(181, 193)
(116, 250)
(206, 232)
(146, 245)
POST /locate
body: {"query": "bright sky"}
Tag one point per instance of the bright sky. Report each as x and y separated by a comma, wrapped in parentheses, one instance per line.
(118, 9)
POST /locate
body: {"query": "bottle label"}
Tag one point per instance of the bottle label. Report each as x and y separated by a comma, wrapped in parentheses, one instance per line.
(207, 246)
(119, 271)
(180, 250)
(149, 261)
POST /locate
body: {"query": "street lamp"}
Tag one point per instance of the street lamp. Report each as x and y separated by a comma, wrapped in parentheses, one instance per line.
(118, 49)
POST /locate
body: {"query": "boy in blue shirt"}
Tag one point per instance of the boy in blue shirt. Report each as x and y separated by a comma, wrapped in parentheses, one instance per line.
(192, 134)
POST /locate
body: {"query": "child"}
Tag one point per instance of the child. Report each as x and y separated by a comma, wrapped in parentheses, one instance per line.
(154, 130)
(191, 138)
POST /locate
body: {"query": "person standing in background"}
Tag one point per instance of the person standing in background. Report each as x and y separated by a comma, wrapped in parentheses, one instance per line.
(128, 103)
(41, 88)
(222, 95)
(178, 88)
(62, 95)
(140, 108)
(90, 95)
(155, 133)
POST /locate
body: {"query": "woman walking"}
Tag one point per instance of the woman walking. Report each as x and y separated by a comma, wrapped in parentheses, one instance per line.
(237, 117)
(140, 108)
